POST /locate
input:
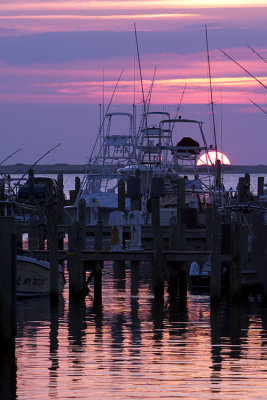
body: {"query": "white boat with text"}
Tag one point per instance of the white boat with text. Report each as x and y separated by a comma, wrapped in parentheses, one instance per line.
(33, 277)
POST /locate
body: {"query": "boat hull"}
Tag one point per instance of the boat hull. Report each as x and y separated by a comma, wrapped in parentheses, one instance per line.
(33, 277)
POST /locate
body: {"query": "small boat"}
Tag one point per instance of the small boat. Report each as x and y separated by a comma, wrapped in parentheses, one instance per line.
(200, 275)
(33, 277)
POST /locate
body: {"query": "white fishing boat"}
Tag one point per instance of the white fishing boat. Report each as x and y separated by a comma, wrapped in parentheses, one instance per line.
(159, 156)
(33, 277)
(163, 147)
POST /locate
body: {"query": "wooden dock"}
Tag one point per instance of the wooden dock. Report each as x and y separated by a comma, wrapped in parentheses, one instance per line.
(169, 249)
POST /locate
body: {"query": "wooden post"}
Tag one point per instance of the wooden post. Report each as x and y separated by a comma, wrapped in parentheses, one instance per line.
(31, 186)
(215, 275)
(82, 220)
(157, 249)
(180, 198)
(181, 229)
(257, 253)
(209, 225)
(235, 266)
(8, 372)
(41, 228)
(8, 289)
(244, 246)
(173, 240)
(181, 235)
(33, 234)
(99, 265)
(260, 190)
(136, 199)
(182, 277)
(134, 191)
(60, 208)
(19, 234)
(77, 184)
(52, 242)
(247, 187)
(241, 190)
(74, 193)
(76, 272)
(50, 215)
(121, 195)
(70, 253)
(54, 275)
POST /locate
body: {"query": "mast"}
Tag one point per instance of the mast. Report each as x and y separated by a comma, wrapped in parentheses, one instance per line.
(140, 70)
(211, 96)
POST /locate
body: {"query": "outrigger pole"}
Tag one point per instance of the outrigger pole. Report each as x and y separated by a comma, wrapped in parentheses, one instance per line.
(244, 69)
(36, 162)
(148, 101)
(265, 112)
(179, 106)
(254, 51)
(10, 155)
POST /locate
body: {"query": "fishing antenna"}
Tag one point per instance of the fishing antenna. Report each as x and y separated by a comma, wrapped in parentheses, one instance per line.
(178, 108)
(140, 70)
(39, 159)
(97, 138)
(254, 51)
(148, 100)
(244, 69)
(5, 159)
(102, 124)
(10, 155)
(211, 97)
(265, 112)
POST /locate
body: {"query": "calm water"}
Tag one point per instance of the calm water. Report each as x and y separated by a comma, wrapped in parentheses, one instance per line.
(132, 347)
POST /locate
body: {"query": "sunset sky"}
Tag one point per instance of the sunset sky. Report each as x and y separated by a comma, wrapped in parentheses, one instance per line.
(54, 56)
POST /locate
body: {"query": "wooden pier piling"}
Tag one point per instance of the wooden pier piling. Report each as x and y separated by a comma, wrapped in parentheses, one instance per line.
(241, 190)
(41, 228)
(121, 195)
(99, 265)
(260, 187)
(33, 234)
(76, 270)
(82, 220)
(8, 289)
(235, 265)
(157, 249)
(215, 258)
(60, 208)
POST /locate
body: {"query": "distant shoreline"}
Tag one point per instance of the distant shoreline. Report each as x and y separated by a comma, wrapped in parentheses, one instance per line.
(80, 169)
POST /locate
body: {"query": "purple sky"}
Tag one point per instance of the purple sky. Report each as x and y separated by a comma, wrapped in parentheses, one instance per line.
(53, 55)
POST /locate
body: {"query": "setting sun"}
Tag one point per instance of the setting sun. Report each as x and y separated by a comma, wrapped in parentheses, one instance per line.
(210, 158)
